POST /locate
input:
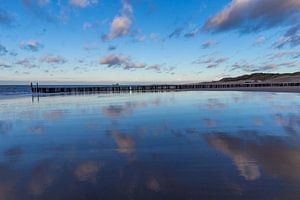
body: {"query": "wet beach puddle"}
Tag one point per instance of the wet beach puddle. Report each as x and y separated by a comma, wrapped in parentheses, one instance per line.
(182, 145)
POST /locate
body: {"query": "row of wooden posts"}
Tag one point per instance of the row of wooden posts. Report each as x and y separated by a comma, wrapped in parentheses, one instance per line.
(127, 88)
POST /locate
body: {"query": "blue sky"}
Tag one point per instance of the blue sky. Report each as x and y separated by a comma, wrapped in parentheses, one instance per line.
(146, 41)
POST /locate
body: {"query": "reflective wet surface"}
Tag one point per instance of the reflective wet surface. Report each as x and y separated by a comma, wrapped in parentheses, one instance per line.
(182, 145)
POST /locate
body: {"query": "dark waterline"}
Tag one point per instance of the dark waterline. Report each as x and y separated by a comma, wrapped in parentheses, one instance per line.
(186, 145)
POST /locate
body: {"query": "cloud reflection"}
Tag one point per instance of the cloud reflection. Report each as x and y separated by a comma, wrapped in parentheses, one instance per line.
(5, 127)
(246, 165)
(210, 122)
(290, 123)
(54, 115)
(253, 153)
(43, 176)
(87, 170)
(39, 129)
(7, 183)
(13, 152)
(125, 143)
(127, 109)
(122, 110)
(92, 125)
(215, 104)
(153, 185)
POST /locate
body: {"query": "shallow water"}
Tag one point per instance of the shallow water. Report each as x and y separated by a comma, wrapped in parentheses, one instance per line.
(175, 145)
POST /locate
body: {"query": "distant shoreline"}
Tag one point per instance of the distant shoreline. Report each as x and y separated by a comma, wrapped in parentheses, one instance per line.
(257, 89)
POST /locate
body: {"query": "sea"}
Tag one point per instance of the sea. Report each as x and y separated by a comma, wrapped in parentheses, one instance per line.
(7, 91)
(16, 91)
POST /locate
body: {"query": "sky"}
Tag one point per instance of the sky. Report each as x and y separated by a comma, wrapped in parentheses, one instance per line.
(146, 41)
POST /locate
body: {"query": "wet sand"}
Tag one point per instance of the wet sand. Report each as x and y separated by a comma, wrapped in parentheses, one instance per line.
(159, 145)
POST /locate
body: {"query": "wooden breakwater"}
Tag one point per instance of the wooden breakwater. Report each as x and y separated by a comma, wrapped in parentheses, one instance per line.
(163, 87)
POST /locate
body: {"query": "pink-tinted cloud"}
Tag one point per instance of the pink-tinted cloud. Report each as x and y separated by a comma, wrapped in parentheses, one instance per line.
(27, 63)
(53, 59)
(252, 15)
(31, 45)
(121, 24)
(292, 54)
(125, 62)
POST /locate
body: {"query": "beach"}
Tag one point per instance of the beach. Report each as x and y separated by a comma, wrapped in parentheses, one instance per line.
(258, 89)
(155, 145)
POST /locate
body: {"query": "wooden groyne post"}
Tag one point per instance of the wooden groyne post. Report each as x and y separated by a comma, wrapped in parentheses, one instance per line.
(142, 88)
(37, 87)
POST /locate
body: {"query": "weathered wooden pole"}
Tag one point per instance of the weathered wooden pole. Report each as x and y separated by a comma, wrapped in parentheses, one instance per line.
(31, 87)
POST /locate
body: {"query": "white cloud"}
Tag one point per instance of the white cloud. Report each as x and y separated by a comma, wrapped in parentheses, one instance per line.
(3, 50)
(6, 18)
(83, 3)
(90, 46)
(291, 38)
(211, 62)
(43, 2)
(209, 43)
(87, 25)
(5, 66)
(260, 40)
